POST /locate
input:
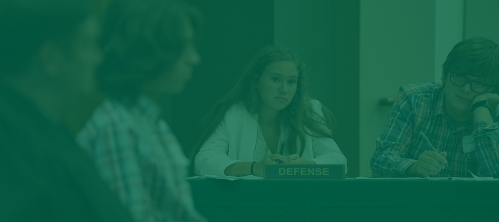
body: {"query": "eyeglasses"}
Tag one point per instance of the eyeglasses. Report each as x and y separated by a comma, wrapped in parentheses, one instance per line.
(478, 87)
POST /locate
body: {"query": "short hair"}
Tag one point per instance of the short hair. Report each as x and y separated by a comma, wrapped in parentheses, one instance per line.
(25, 25)
(140, 40)
(476, 57)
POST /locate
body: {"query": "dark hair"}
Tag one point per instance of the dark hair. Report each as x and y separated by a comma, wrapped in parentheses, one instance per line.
(25, 25)
(476, 57)
(297, 116)
(140, 40)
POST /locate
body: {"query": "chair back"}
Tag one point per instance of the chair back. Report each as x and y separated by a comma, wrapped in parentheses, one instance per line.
(330, 121)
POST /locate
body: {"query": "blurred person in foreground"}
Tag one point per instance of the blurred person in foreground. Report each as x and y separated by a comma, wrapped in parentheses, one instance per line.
(149, 51)
(48, 53)
(458, 116)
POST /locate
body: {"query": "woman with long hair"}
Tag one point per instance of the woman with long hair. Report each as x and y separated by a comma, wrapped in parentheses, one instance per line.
(267, 118)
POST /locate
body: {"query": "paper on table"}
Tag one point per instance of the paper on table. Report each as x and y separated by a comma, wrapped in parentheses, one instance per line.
(453, 178)
(195, 177)
(427, 178)
(391, 178)
(231, 178)
(251, 177)
(480, 178)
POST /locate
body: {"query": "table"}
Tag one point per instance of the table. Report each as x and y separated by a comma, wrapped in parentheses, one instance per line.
(346, 200)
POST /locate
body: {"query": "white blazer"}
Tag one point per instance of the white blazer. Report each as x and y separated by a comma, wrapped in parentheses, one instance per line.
(234, 140)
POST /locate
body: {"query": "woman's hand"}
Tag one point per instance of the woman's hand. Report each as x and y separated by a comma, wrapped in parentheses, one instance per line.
(295, 159)
(271, 159)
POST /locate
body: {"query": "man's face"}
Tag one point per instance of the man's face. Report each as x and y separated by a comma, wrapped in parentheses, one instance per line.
(459, 98)
(80, 61)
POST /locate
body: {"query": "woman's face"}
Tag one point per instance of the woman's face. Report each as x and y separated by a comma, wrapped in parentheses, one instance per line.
(277, 85)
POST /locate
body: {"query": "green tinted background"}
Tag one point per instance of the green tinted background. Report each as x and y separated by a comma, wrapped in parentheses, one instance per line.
(358, 52)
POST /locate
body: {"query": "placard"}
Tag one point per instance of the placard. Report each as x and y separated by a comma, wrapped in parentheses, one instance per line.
(304, 171)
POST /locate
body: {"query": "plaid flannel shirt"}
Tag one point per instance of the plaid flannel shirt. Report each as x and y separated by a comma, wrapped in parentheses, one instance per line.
(141, 160)
(420, 107)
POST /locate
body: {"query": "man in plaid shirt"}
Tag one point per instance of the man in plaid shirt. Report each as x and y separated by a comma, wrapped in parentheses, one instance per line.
(458, 116)
(149, 52)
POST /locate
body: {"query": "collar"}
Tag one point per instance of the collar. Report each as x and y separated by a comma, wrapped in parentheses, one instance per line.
(147, 107)
(438, 98)
(283, 133)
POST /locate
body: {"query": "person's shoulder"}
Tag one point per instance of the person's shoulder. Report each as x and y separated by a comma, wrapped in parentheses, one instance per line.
(236, 116)
(421, 89)
(315, 103)
(236, 110)
(421, 96)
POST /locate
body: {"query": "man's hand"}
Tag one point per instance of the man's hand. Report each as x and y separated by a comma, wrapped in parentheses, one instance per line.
(482, 114)
(492, 100)
(429, 163)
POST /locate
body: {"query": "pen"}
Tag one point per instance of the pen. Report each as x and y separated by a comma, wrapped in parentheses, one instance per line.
(428, 142)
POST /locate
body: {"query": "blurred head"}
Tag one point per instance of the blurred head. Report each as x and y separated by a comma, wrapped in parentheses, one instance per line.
(173, 79)
(53, 41)
(471, 68)
(148, 47)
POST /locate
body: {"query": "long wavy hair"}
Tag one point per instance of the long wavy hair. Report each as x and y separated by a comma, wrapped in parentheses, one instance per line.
(298, 118)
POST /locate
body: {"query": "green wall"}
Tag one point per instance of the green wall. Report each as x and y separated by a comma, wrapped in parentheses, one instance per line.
(396, 48)
(233, 32)
(449, 19)
(325, 35)
(358, 51)
(308, 30)
(481, 19)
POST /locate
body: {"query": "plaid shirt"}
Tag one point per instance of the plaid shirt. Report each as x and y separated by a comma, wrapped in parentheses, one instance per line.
(141, 160)
(420, 107)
